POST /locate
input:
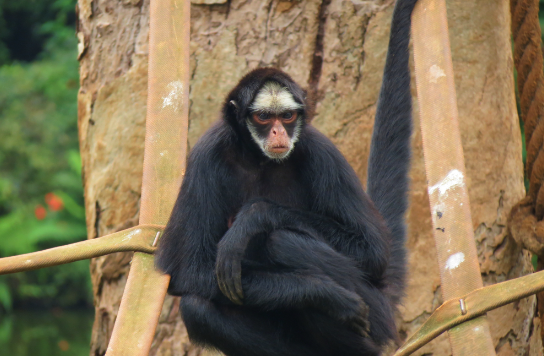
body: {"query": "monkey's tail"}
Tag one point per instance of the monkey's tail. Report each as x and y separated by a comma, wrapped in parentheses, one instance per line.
(389, 161)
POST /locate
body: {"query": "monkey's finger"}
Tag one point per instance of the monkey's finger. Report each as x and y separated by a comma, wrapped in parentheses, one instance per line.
(225, 272)
(356, 327)
(228, 284)
(235, 274)
(362, 326)
(222, 278)
(237, 279)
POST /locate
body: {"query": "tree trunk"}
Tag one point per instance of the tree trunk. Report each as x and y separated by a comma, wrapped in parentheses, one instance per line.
(336, 49)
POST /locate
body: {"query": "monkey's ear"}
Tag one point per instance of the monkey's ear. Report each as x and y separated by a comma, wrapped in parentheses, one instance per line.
(231, 112)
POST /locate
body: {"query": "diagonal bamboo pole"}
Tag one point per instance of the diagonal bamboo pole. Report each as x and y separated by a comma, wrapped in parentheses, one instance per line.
(164, 164)
(474, 304)
(139, 238)
(445, 168)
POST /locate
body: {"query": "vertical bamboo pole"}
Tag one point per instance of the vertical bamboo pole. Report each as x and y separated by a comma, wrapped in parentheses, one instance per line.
(445, 168)
(164, 165)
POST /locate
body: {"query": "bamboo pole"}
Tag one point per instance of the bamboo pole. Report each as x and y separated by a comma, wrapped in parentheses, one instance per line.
(164, 165)
(139, 238)
(445, 168)
(475, 304)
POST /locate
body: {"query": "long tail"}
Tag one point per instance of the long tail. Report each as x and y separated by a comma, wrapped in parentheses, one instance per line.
(389, 161)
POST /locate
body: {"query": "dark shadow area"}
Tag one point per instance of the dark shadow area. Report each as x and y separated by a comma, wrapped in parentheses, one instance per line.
(55, 332)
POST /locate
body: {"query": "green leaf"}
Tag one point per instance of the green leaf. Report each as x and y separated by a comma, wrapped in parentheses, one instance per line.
(5, 297)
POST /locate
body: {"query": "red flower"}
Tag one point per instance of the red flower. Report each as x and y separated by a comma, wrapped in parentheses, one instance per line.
(54, 202)
(40, 212)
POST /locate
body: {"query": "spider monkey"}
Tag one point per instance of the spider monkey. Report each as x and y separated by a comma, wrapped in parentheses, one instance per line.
(273, 244)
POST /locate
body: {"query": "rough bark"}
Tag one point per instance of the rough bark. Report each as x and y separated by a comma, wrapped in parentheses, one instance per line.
(336, 49)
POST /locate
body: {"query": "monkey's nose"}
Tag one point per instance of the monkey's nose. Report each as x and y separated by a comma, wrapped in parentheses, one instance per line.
(278, 130)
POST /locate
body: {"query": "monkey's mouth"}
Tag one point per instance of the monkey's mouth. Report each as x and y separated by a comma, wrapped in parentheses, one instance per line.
(279, 149)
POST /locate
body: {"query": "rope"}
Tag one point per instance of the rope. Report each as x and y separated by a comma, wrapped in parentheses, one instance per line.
(525, 218)
(529, 65)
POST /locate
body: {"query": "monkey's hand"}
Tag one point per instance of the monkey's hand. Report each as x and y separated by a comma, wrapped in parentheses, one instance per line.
(359, 321)
(350, 309)
(228, 265)
(256, 217)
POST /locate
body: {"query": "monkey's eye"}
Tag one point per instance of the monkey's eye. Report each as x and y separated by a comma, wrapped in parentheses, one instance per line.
(262, 117)
(289, 116)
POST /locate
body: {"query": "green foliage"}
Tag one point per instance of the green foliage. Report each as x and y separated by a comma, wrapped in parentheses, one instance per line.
(541, 16)
(41, 196)
(51, 333)
(27, 27)
(38, 123)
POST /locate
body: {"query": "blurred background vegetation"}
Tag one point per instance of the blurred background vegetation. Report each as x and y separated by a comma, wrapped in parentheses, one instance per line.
(47, 311)
(541, 16)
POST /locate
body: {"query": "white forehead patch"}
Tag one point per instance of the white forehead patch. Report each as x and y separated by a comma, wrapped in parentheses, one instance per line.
(274, 98)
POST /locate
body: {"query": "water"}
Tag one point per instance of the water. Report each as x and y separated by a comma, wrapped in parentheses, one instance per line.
(46, 333)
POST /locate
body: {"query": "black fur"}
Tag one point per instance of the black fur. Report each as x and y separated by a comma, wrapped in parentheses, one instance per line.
(389, 161)
(317, 265)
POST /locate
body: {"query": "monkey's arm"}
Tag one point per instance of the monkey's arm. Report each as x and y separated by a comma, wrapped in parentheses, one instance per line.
(187, 248)
(337, 194)
(262, 216)
(256, 217)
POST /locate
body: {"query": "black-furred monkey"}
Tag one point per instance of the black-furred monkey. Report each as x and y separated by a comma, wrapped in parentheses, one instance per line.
(273, 245)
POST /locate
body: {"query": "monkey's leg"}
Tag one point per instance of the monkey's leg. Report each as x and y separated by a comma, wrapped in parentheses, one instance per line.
(238, 331)
(263, 218)
(281, 273)
(313, 271)
(333, 337)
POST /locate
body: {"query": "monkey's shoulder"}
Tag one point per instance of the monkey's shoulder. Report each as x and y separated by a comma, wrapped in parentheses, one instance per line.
(318, 154)
(332, 181)
(214, 141)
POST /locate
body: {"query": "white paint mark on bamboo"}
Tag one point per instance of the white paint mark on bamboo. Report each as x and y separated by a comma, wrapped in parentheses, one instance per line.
(455, 260)
(131, 235)
(453, 179)
(435, 72)
(28, 262)
(174, 99)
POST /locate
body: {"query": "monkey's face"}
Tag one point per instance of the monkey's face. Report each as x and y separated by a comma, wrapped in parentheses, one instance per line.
(275, 122)
(275, 134)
